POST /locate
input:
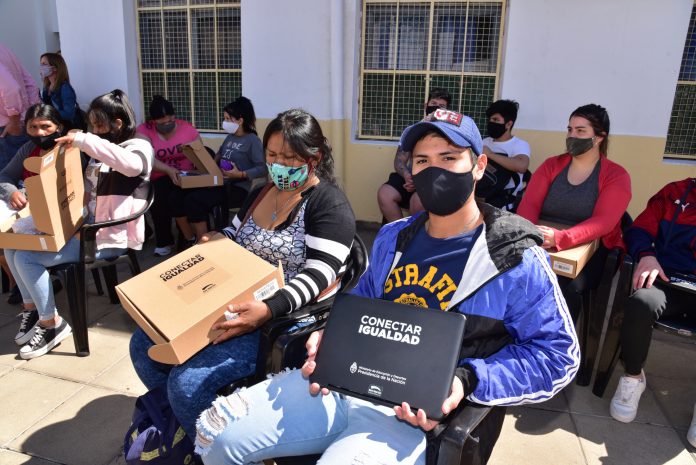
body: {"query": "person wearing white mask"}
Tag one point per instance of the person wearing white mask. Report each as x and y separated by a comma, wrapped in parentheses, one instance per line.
(241, 160)
(58, 92)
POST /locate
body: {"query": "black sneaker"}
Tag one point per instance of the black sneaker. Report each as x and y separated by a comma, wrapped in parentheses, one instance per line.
(30, 318)
(45, 339)
(15, 296)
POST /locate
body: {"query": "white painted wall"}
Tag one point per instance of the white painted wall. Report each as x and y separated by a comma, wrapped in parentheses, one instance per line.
(29, 29)
(293, 55)
(101, 51)
(622, 54)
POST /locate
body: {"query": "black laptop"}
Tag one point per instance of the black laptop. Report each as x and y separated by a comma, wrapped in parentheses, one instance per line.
(389, 353)
(682, 281)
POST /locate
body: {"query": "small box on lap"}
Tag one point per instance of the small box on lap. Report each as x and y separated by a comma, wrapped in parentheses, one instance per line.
(176, 302)
(207, 173)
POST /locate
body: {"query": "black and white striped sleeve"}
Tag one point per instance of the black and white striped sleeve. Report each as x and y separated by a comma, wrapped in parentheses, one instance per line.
(330, 227)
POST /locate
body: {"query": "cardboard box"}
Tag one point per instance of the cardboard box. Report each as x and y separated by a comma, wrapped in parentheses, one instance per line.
(207, 174)
(56, 202)
(177, 301)
(571, 261)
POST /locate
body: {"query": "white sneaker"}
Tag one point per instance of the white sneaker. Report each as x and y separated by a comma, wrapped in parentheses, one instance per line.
(624, 404)
(163, 251)
(691, 434)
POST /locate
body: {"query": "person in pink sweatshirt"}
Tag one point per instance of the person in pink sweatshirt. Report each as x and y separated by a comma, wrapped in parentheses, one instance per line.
(116, 186)
(18, 91)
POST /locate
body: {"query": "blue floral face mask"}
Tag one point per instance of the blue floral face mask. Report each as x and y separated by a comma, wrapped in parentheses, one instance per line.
(288, 178)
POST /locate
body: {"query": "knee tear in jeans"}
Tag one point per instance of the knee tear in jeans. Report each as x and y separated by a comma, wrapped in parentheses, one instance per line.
(216, 418)
(276, 376)
(363, 458)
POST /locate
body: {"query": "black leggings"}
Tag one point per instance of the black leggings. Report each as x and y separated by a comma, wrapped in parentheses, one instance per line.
(168, 204)
(643, 308)
(199, 202)
(588, 279)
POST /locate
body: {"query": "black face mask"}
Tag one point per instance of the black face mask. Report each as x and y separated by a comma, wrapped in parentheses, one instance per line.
(431, 108)
(109, 136)
(495, 130)
(577, 146)
(45, 142)
(443, 192)
(165, 128)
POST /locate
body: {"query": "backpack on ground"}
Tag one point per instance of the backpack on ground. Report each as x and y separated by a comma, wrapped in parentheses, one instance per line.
(156, 436)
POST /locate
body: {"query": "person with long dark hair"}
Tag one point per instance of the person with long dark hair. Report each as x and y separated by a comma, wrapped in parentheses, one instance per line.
(302, 219)
(167, 133)
(116, 159)
(43, 125)
(241, 160)
(584, 190)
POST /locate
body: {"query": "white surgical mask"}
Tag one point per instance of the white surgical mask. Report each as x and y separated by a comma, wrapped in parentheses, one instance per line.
(230, 127)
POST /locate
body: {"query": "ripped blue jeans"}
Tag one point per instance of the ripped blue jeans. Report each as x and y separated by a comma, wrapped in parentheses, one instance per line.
(279, 418)
(193, 385)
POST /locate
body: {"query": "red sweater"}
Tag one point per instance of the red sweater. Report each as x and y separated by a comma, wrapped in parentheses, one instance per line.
(605, 222)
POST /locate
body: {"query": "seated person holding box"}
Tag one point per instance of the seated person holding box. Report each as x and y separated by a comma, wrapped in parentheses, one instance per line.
(662, 242)
(301, 219)
(241, 160)
(519, 343)
(167, 134)
(582, 189)
(43, 125)
(115, 156)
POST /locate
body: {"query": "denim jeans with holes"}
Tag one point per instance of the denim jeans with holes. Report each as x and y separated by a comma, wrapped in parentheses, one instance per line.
(279, 418)
(193, 385)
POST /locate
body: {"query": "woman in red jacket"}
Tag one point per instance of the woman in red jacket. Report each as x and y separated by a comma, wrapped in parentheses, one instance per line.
(583, 190)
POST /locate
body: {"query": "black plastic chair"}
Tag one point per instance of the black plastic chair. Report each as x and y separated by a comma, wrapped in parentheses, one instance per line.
(72, 275)
(611, 349)
(593, 312)
(595, 303)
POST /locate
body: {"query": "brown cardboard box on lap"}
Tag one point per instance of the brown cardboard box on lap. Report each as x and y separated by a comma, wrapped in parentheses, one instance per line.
(177, 301)
(570, 262)
(207, 174)
(56, 202)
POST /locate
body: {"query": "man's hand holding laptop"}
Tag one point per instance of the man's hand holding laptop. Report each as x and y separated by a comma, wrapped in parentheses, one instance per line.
(403, 412)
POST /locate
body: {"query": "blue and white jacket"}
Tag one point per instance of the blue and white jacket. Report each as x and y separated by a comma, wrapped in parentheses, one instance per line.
(519, 344)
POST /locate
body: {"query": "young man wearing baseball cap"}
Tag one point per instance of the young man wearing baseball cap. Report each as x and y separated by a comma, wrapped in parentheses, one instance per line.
(519, 346)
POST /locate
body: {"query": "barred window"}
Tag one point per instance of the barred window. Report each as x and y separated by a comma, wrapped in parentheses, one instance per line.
(191, 53)
(681, 135)
(410, 47)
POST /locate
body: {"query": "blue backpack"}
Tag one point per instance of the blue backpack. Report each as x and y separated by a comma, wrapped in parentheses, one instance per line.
(156, 436)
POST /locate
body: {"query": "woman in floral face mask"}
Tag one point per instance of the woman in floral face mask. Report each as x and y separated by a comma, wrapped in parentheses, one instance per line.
(57, 90)
(584, 191)
(302, 219)
(166, 133)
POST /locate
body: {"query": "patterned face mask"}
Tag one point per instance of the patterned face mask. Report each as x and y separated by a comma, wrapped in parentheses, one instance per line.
(288, 178)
